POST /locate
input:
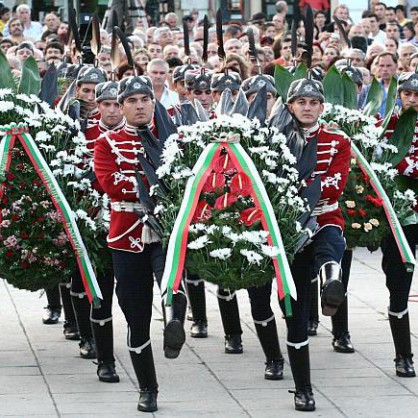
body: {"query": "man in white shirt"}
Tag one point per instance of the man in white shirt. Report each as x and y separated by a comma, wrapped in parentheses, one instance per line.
(157, 70)
(376, 34)
(31, 30)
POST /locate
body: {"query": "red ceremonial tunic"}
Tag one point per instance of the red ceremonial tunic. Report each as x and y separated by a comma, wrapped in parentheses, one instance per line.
(409, 165)
(115, 162)
(333, 165)
(96, 128)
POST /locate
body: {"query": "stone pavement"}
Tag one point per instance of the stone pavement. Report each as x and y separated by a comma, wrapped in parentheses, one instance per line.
(42, 375)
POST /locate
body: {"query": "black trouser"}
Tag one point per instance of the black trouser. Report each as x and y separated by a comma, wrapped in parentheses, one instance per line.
(398, 280)
(328, 245)
(53, 297)
(134, 273)
(340, 319)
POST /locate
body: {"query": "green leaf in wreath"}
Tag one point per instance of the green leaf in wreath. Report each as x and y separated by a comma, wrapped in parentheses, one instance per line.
(332, 87)
(283, 79)
(300, 72)
(350, 92)
(403, 135)
(6, 77)
(390, 102)
(405, 182)
(30, 81)
(374, 98)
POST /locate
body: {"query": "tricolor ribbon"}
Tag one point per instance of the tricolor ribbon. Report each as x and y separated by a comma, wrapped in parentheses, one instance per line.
(61, 204)
(177, 246)
(401, 241)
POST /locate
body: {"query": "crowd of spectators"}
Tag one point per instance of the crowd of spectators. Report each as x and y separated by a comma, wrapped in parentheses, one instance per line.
(384, 43)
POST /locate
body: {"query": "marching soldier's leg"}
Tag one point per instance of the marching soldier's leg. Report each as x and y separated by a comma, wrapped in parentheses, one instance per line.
(134, 289)
(174, 315)
(329, 247)
(53, 310)
(265, 325)
(313, 317)
(81, 307)
(342, 342)
(398, 281)
(228, 307)
(197, 299)
(102, 325)
(70, 323)
(297, 330)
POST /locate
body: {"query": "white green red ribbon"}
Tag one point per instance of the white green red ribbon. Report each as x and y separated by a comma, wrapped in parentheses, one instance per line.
(407, 256)
(60, 202)
(285, 285)
(177, 247)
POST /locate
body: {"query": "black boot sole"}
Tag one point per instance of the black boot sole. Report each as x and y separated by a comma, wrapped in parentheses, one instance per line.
(400, 374)
(273, 377)
(305, 408)
(174, 338)
(113, 379)
(332, 297)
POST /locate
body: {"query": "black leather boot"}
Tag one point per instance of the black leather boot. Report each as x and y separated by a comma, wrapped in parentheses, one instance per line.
(81, 307)
(228, 307)
(332, 290)
(269, 340)
(53, 310)
(71, 331)
(70, 325)
(174, 315)
(300, 365)
(313, 316)
(399, 326)
(103, 337)
(197, 299)
(106, 371)
(233, 344)
(87, 348)
(341, 342)
(143, 364)
(199, 329)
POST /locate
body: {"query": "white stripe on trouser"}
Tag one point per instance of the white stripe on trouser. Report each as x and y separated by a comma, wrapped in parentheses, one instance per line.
(265, 321)
(194, 282)
(228, 298)
(101, 322)
(78, 295)
(297, 345)
(399, 315)
(138, 350)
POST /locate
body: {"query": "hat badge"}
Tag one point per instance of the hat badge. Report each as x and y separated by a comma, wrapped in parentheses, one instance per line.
(414, 82)
(136, 85)
(309, 88)
(112, 91)
(94, 76)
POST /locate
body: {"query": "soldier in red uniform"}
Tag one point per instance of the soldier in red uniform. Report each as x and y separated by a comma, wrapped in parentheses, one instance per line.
(137, 253)
(323, 254)
(86, 83)
(111, 120)
(398, 280)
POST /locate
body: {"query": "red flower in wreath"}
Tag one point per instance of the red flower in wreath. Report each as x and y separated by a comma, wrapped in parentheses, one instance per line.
(223, 164)
(351, 213)
(374, 201)
(250, 216)
(216, 181)
(224, 201)
(24, 235)
(241, 185)
(362, 213)
(203, 212)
